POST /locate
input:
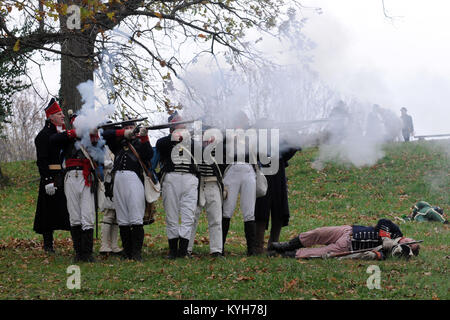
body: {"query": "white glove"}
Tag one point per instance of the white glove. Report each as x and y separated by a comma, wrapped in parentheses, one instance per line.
(143, 131)
(387, 244)
(50, 189)
(108, 164)
(128, 134)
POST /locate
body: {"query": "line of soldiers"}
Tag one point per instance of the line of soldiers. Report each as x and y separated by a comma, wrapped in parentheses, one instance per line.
(71, 173)
(68, 196)
(189, 187)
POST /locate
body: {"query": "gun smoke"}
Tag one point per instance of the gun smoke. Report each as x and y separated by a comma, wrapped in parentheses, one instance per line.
(278, 96)
(89, 117)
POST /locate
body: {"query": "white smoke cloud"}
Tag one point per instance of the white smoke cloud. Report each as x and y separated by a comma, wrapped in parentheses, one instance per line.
(280, 95)
(89, 117)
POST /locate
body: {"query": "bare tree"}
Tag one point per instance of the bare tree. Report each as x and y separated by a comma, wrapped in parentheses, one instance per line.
(23, 125)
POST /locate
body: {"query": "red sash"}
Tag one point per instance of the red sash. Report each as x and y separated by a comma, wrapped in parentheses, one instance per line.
(86, 168)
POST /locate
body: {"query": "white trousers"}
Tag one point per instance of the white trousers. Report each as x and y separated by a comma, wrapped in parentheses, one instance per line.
(80, 200)
(179, 194)
(240, 178)
(110, 232)
(129, 198)
(213, 206)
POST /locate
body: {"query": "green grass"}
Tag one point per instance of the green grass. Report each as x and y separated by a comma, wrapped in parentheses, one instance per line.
(335, 196)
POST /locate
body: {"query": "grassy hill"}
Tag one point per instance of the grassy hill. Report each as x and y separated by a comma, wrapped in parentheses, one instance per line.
(334, 196)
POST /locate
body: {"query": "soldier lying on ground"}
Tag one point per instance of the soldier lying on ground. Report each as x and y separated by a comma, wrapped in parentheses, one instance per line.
(384, 239)
(423, 211)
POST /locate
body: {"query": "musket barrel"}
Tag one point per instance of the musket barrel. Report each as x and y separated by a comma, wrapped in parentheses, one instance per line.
(168, 125)
(121, 123)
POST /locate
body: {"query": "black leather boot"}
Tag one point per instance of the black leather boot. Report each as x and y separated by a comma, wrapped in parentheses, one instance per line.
(173, 248)
(182, 249)
(225, 227)
(137, 240)
(288, 254)
(291, 245)
(87, 244)
(125, 236)
(250, 236)
(259, 239)
(75, 232)
(48, 242)
(275, 231)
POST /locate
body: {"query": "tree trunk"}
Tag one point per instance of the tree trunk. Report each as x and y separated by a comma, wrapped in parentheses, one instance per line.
(3, 178)
(75, 70)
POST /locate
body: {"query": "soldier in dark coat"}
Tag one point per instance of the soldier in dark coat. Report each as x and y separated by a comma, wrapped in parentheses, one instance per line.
(407, 124)
(383, 240)
(51, 210)
(274, 205)
(128, 185)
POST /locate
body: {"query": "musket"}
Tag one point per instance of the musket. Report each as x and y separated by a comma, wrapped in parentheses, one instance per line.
(168, 125)
(342, 254)
(121, 123)
(162, 126)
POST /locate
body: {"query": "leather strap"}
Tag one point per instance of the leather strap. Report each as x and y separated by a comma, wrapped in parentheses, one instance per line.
(147, 172)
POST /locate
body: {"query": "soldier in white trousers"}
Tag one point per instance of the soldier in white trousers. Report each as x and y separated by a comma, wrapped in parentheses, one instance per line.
(79, 191)
(210, 198)
(110, 228)
(240, 178)
(128, 190)
(179, 192)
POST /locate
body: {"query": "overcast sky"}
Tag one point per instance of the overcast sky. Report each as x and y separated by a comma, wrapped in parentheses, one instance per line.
(399, 62)
(404, 62)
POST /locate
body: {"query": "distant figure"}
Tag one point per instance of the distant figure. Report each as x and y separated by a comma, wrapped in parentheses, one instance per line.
(407, 128)
(423, 211)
